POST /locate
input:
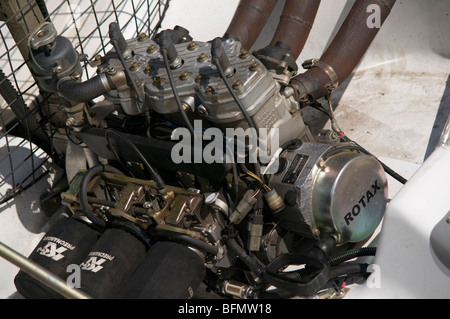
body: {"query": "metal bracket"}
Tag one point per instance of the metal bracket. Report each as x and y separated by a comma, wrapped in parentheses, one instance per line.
(328, 69)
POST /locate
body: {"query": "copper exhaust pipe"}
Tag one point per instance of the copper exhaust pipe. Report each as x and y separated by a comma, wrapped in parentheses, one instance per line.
(295, 24)
(249, 20)
(344, 53)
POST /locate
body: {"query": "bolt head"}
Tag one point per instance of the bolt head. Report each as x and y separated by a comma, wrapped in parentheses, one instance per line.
(151, 48)
(237, 84)
(202, 57)
(142, 37)
(192, 45)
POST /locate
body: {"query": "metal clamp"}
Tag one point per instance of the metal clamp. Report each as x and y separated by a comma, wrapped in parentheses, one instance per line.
(311, 63)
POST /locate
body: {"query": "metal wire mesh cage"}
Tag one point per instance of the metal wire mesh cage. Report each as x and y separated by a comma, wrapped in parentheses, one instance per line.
(26, 137)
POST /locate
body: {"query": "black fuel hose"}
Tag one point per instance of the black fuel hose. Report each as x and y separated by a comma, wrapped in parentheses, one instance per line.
(88, 176)
(250, 262)
(189, 240)
(80, 92)
(350, 254)
(156, 177)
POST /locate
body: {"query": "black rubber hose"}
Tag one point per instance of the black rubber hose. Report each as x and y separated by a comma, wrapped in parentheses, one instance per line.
(240, 252)
(156, 177)
(189, 240)
(115, 35)
(223, 76)
(251, 124)
(355, 253)
(81, 92)
(348, 269)
(164, 53)
(88, 176)
(387, 169)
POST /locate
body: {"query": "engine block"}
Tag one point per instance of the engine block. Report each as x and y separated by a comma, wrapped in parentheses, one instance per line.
(202, 91)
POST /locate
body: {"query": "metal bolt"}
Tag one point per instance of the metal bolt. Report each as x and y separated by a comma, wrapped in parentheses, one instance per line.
(151, 48)
(57, 68)
(147, 205)
(157, 81)
(42, 33)
(198, 78)
(185, 106)
(254, 66)
(202, 111)
(244, 54)
(202, 57)
(209, 90)
(142, 37)
(316, 232)
(134, 66)
(111, 71)
(147, 69)
(448, 220)
(70, 121)
(192, 46)
(76, 76)
(184, 75)
(321, 163)
(237, 84)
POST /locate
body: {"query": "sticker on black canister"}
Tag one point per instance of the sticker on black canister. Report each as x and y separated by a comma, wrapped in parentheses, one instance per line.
(96, 261)
(54, 248)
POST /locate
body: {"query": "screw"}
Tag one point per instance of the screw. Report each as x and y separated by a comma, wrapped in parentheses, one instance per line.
(316, 232)
(151, 48)
(198, 78)
(192, 46)
(76, 76)
(244, 54)
(134, 66)
(209, 90)
(147, 69)
(237, 84)
(202, 57)
(202, 111)
(254, 66)
(111, 71)
(142, 37)
(448, 220)
(42, 33)
(147, 205)
(70, 121)
(158, 81)
(185, 106)
(184, 75)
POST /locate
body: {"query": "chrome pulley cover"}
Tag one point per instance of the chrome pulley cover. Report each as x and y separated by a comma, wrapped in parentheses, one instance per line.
(337, 191)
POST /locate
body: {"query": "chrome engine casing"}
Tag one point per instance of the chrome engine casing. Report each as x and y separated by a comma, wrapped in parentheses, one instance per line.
(331, 190)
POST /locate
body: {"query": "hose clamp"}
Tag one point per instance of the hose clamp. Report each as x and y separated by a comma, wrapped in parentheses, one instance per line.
(328, 69)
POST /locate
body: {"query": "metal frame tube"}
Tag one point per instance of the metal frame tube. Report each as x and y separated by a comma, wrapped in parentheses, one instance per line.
(39, 273)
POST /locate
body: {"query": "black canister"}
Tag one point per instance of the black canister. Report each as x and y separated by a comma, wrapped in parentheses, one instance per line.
(67, 243)
(170, 271)
(110, 263)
